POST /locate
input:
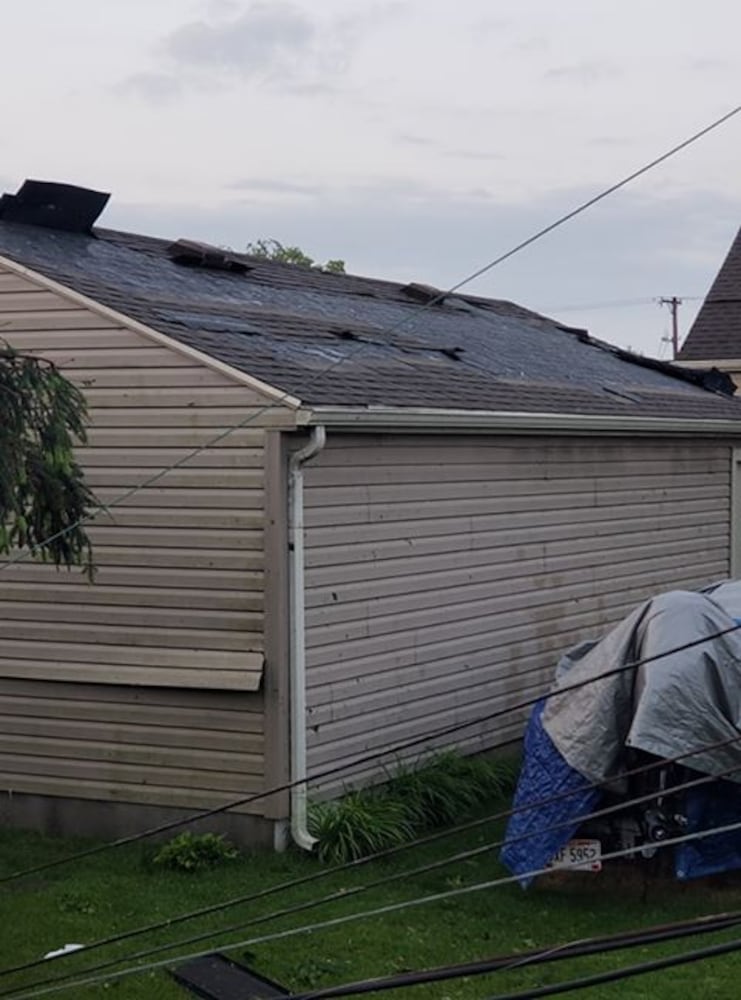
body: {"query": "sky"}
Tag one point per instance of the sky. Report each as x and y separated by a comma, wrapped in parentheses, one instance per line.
(415, 139)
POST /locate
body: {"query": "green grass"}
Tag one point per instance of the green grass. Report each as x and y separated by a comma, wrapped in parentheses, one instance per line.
(122, 889)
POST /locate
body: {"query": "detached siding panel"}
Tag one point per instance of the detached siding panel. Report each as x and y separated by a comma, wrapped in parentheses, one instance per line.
(143, 745)
(446, 575)
(143, 687)
(180, 562)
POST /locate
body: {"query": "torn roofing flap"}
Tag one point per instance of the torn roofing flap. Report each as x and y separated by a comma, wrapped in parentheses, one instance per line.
(190, 253)
(427, 294)
(412, 354)
(211, 324)
(709, 379)
(50, 205)
(254, 322)
(621, 392)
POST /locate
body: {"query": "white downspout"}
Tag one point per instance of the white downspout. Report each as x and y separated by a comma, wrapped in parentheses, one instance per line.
(299, 829)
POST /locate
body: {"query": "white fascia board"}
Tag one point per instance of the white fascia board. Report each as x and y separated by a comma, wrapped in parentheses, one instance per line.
(121, 319)
(452, 421)
(722, 363)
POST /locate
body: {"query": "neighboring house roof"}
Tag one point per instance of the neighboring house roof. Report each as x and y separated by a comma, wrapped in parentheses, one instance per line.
(340, 340)
(716, 332)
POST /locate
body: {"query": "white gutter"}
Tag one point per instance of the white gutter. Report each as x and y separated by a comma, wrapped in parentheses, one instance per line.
(297, 656)
(442, 421)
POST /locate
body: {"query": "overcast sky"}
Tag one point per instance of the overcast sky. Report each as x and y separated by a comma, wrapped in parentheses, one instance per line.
(416, 139)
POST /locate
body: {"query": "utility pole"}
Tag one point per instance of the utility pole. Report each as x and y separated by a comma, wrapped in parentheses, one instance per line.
(674, 303)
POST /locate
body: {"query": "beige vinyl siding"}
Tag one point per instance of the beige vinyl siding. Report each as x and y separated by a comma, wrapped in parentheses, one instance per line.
(178, 597)
(446, 574)
(144, 687)
(157, 746)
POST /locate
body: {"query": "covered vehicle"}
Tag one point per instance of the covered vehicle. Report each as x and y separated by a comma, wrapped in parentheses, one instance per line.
(679, 711)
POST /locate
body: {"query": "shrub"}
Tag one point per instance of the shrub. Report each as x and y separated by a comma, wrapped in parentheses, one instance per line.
(195, 852)
(440, 791)
(445, 787)
(362, 822)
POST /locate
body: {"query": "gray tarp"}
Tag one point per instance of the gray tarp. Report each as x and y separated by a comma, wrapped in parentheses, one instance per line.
(677, 704)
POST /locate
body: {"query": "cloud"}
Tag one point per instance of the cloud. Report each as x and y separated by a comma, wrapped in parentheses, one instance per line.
(271, 43)
(610, 141)
(160, 88)
(589, 71)
(259, 42)
(709, 65)
(482, 28)
(482, 155)
(427, 142)
(222, 8)
(266, 185)
(410, 139)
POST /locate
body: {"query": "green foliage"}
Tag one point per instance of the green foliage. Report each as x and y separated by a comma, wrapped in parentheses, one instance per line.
(315, 971)
(444, 789)
(125, 894)
(360, 823)
(271, 249)
(75, 902)
(195, 852)
(42, 490)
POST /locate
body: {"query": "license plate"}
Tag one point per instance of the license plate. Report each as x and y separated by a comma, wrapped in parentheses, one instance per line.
(579, 855)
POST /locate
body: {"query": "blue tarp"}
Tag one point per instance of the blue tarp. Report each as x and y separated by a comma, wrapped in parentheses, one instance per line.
(561, 798)
(530, 840)
(707, 807)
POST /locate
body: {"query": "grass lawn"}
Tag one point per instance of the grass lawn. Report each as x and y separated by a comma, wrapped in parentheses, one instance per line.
(119, 890)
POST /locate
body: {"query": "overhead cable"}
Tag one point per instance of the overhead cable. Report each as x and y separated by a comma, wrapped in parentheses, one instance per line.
(405, 323)
(344, 893)
(535, 956)
(379, 911)
(626, 972)
(376, 755)
(325, 873)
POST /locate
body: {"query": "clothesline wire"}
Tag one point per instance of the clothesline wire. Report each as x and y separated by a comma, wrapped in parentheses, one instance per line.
(375, 756)
(345, 919)
(405, 323)
(345, 893)
(325, 873)
(536, 956)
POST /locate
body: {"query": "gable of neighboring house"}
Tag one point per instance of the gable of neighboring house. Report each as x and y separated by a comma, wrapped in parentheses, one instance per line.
(715, 336)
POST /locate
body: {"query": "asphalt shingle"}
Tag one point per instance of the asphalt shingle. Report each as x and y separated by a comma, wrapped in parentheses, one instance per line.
(337, 339)
(716, 332)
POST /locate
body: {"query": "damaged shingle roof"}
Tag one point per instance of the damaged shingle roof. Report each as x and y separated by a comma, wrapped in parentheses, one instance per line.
(335, 339)
(716, 332)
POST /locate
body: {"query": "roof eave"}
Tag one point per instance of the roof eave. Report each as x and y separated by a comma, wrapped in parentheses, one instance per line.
(444, 421)
(278, 397)
(720, 363)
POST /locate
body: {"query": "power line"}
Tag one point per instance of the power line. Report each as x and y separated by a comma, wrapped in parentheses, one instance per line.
(278, 402)
(365, 759)
(537, 956)
(354, 917)
(358, 862)
(285, 396)
(344, 893)
(394, 327)
(614, 304)
(626, 972)
(597, 198)
(674, 302)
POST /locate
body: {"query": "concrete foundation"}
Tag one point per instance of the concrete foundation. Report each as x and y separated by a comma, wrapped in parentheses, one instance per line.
(63, 817)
